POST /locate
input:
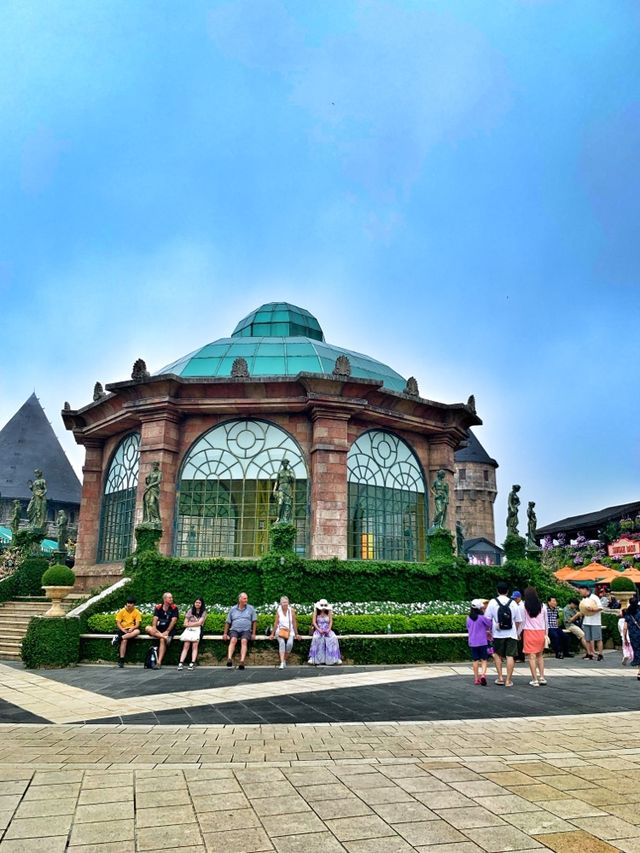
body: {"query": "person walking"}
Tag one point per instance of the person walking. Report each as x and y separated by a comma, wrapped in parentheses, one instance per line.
(535, 631)
(507, 622)
(285, 628)
(478, 626)
(192, 634)
(591, 623)
(632, 630)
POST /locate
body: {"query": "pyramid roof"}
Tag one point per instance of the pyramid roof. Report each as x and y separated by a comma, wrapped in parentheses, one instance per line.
(473, 451)
(27, 441)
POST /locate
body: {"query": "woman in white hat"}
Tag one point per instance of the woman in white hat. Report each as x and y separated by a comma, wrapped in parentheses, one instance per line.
(325, 649)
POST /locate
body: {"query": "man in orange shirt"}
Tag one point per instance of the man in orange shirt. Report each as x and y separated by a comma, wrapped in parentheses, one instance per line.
(128, 624)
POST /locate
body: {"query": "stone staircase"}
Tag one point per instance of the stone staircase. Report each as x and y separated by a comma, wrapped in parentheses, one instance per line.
(15, 617)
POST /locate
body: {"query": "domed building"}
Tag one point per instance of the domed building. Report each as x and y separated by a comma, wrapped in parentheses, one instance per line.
(362, 444)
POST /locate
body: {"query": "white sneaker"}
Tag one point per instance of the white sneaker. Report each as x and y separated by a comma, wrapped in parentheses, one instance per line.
(114, 640)
(180, 666)
(282, 665)
(534, 684)
(190, 667)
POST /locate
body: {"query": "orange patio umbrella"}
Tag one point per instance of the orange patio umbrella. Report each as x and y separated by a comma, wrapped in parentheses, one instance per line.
(563, 573)
(594, 572)
(632, 574)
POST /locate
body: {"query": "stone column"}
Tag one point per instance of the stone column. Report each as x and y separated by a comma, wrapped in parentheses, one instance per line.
(329, 504)
(441, 456)
(90, 505)
(159, 442)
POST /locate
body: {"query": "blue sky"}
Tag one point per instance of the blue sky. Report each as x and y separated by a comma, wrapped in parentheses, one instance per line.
(451, 187)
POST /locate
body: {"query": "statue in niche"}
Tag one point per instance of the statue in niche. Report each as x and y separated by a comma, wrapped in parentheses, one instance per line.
(283, 493)
(459, 538)
(513, 503)
(16, 515)
(151, 496)
(37, 507)
(440, 492)
(532, 524)
(62, 526)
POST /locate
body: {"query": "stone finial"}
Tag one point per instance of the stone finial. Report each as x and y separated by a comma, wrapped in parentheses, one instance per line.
(471, 403)
(411, 388)
(240, 368)
(67, 406)
(342, 367)
(139, 372)
(98, 392)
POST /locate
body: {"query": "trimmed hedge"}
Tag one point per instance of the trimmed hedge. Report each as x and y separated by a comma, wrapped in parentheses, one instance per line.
(28, 577)
(105, 623)
(51, 642)
(58, 575)
(622, 584)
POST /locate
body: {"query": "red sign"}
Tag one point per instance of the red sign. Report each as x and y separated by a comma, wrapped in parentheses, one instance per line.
(623, 546)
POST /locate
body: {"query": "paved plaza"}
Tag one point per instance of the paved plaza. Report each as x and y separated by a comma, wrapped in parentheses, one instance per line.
(458, 780)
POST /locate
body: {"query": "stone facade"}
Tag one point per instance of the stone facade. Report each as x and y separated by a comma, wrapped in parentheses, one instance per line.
(475, 494)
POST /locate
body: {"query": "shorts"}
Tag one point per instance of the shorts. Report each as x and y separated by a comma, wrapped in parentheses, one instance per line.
(592, 633)
(576, 630)
(479, 652)
(505, 647)
(240, 635)
(285, 645)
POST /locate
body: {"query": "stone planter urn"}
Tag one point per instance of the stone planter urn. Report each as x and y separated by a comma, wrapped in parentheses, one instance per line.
(624, 598)
(56, 594)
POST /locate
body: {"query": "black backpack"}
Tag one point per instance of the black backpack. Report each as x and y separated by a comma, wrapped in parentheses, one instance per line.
(151, 659)
(504, 616)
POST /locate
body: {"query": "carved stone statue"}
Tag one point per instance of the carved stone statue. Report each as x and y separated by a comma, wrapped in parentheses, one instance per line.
(151, 496)
(62, 525)
(240, 368)
(98, 392)
(532, 524)
(459, 538)
(471, 403)
(67, 406)
(16, 515)
(411, 388)
(139, 371)
(342, 366)
(440, 492)
(283, 493)
(37, 507)
(513, 504)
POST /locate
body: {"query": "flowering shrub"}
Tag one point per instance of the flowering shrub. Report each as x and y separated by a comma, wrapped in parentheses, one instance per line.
(345, 608)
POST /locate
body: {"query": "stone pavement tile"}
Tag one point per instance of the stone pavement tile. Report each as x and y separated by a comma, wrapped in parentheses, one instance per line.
(455, 774)
(103, 832)
(6, 816)
(604, 797)
(567, 782)
(428, 832)
(221, 802)
(496, 839)
(404, 812)
(466, 818)
(160, 782)
(400, 771)
(377, 780)
(210, 787)
(250, 840)
(289, 804)
(444, 799)
(322, 841)
(105, 795)
(347, 807)
(258, 792)
(227, 820)
(506, 804)
(479, 789)
(297, 823)
(110, 847)
(107, 780)
(52, 844)
(38, 827)
(608, 828)
(412, 784)
(575, 842)
(56, 777)
(181, 837)
(356, 828)
(314, 793)
(255, 775)
(46, 808)
(510, 777)
(534, 793)
(148, 799)
(104, 811)
(536, 768)
(16, 788)
(569, 809)
(456, 847)
(537, 823)
(627, 811)
(627, 845)
(162, 816)
(375, 796)
(10, 801)
(388, 844)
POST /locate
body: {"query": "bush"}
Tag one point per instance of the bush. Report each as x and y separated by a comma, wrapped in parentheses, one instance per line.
(51, 642)
(622, 585)
(28, 576)
(58, 576)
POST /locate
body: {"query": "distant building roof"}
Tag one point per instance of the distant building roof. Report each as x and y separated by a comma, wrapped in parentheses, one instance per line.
(473, 451)
(598, 519)
(28, 441)
(480, 543)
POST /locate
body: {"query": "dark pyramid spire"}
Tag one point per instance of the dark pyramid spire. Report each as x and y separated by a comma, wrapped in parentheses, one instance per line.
(28, 441)
(474, 452)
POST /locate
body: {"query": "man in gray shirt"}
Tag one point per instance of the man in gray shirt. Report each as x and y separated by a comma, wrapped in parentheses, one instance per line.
(241, 625)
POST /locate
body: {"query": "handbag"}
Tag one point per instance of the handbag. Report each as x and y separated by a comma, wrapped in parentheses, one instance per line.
(284, 633)
(190, 635)
(547, 641)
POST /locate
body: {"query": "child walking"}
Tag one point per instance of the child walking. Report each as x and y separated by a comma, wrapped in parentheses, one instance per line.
(627, 650)
(478, 627)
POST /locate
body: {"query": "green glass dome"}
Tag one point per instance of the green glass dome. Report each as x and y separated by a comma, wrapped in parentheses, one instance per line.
(279, 339)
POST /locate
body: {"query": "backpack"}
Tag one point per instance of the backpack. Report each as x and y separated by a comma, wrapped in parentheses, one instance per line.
(504, 616)
(151, 659)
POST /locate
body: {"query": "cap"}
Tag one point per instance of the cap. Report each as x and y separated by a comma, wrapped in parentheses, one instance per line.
(516, 594)
(478, 603)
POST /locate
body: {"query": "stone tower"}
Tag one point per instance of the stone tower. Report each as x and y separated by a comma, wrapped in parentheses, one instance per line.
(475, 489)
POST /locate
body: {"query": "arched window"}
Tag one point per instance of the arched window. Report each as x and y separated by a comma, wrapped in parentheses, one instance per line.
(225, 491)
(387, 507)
(119, 501)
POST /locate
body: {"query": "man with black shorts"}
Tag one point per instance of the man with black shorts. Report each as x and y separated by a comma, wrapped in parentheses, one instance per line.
(163, 627)
(507, 622)
(241, 625)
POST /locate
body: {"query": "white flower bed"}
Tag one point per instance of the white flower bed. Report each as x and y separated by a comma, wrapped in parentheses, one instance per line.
(349, 608)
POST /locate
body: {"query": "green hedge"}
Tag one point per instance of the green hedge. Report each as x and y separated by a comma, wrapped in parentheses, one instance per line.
(29, 576)
(51, 642)
(105, 623)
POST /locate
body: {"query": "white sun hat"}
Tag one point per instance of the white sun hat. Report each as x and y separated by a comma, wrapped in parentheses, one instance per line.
(323, 604)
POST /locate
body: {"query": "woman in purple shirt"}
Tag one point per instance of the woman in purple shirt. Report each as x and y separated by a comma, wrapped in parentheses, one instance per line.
(479, 627)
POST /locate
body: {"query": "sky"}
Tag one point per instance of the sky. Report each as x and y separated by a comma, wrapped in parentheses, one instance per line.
(450, 187)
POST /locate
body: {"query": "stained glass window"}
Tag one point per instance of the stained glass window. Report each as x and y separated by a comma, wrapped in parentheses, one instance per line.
(119, 501)
(225, 501)
(387, 507)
